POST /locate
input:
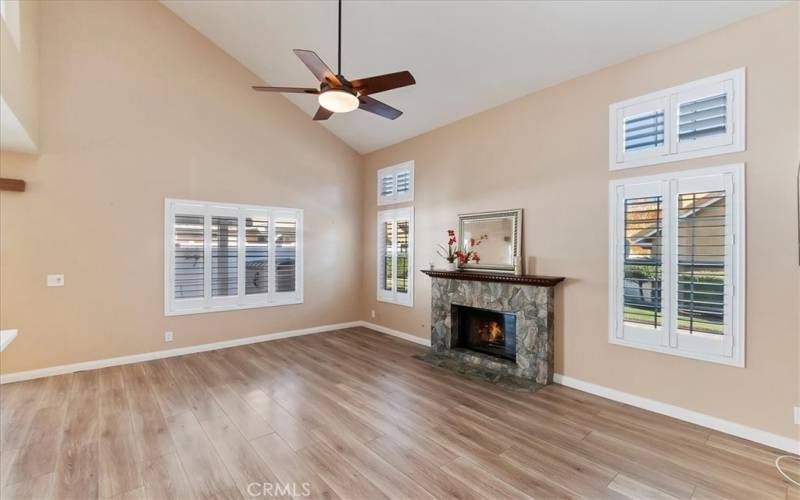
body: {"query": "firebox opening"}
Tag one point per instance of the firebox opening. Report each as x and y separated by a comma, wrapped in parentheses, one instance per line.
(489, 332)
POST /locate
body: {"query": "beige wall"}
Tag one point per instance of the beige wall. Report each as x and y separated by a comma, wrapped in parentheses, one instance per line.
(548, 153)
(19, 66)
(137, 107)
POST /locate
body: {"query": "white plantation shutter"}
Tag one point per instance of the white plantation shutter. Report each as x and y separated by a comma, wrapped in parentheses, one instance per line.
(639, 282)
(706, 256)
(256, 254)
(285, 255)
(225, 256)
(644, 131)
(403, 179)
(702, 118)
(396, 184)
(395, 256)
(677, 265)
(386, 186)
(189, 254)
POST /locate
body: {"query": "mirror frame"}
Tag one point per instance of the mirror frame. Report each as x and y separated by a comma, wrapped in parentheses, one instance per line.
(516, 238)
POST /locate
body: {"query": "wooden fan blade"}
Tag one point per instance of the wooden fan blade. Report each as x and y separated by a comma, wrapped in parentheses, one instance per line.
(319, 68)
(379, 108)
(289, 90)
(382, 83)
(323, 114)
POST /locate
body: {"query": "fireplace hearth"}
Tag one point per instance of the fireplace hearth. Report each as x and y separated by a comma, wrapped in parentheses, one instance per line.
(489, 332)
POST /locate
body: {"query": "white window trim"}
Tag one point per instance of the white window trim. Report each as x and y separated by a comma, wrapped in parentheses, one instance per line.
(396, 197)
(668, 343)
(618, 160)
(392, 297)
(173, 306)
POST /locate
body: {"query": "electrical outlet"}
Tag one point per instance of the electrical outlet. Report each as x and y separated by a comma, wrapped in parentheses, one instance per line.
(797, 415)
(55, 280)
(372, 313)
(167, 336)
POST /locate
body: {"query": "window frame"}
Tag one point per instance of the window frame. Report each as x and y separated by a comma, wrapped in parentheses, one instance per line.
(242, 300)
(394, 171)
(729, 348)
(394, 297)
(733, 83)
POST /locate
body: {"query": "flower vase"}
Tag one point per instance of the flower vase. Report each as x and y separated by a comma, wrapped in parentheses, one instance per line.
(451, 266)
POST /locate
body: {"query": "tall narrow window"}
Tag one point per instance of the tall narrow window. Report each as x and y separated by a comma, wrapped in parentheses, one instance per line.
(225, 256)
(677, 261)
(395, 256)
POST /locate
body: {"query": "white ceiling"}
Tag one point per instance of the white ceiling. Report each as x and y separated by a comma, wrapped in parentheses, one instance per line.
(467, 56)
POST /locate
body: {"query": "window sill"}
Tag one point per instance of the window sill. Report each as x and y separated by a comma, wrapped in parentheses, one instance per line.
(6, 336)
(674, 157)
(739, 363)
(207, 310)
(389, 301)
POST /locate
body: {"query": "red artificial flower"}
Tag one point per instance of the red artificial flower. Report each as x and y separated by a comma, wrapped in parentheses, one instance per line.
(472, 242)
(452, 241)
(451, 232)
(476, 258)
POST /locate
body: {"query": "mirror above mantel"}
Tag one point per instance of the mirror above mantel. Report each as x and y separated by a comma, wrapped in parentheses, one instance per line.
(502, 239)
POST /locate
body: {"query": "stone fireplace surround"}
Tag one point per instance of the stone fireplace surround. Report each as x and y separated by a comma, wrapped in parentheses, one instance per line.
(529, 298)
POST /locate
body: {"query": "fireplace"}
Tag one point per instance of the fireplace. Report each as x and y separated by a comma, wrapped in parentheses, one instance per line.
(489, 332)
(497, 327)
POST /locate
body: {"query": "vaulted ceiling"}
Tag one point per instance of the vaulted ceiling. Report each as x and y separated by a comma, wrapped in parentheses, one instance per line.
(467, 56)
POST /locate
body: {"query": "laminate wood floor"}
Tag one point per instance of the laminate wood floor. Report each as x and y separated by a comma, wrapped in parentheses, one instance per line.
(350, 414)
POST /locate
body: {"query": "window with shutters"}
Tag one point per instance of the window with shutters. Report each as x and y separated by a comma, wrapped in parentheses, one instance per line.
(222, 256)
(702, 118)
(396, 184)
(676, 282)
(396, 256)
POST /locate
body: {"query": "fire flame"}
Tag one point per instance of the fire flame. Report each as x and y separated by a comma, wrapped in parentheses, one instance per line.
(493, 332)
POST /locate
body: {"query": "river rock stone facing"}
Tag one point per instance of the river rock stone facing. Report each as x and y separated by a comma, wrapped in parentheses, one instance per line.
(533, 308)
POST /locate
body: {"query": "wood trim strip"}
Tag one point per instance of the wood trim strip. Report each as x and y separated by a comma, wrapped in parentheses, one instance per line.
(12, 185)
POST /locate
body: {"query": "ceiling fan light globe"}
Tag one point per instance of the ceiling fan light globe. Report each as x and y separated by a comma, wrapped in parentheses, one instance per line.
(338, 101)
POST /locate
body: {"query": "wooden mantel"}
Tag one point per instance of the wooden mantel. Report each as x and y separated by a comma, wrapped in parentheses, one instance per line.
(522, 279)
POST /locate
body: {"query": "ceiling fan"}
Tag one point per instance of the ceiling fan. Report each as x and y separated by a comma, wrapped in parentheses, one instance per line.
(337, 94)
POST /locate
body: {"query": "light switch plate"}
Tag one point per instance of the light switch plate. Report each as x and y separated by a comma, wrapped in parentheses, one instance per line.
(55, 280)
(168, 337)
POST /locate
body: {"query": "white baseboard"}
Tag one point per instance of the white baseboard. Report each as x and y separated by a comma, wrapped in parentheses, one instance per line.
(718, 424)
(168, 353)
(396, 333)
